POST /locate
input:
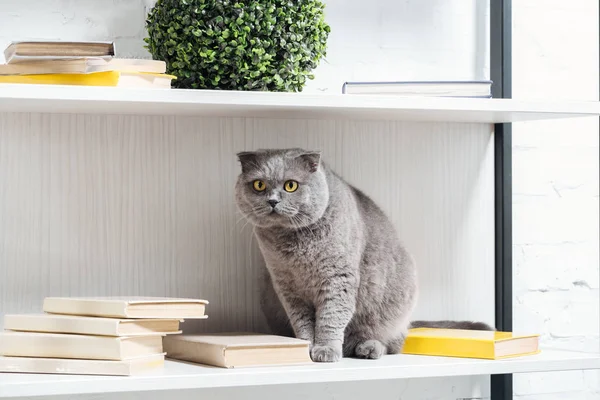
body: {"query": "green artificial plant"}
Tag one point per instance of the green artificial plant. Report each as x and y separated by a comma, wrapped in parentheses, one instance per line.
(270, 45)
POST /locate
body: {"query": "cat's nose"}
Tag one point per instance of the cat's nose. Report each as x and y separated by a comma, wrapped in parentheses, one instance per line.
(273, 203)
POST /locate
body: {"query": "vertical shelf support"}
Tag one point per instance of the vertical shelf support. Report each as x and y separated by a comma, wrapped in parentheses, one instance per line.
(501, 71)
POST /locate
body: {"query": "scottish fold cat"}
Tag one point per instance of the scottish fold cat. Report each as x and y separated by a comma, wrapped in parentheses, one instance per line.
(337, 274)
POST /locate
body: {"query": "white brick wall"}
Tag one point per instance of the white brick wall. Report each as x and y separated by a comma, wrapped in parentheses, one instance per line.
(414, 40)
(555, 163)
(75, 20)
(555, 192)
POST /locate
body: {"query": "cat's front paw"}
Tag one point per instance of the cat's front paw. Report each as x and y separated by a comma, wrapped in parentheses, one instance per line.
(372, 349)
(330, 352)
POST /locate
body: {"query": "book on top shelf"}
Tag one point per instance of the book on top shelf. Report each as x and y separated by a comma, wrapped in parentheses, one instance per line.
(56, 323)
(84, 66)
(477, 89)
(80, 64)
(127, 307)
(469, 343)
(24, 51)
(108, 78)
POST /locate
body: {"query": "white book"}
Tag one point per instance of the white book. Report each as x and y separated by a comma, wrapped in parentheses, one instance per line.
(59, 345)
(421, 88)
(134, 366)
(86, 65)
(127, 307)
(237, 349)
(57, 323)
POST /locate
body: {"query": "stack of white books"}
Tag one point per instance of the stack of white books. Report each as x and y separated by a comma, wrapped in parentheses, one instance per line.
(94, 336)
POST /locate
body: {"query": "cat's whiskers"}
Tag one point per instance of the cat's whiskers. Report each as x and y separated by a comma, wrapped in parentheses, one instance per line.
(242, 216)
(291, 214)
(297, 223)
(234, 226)
(297, 228)
(243, 226)
(300, 215)
(254, 211)
(252, 237)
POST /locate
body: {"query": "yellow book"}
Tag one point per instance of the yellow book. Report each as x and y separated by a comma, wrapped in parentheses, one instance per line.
(469, 343)
(107, 78)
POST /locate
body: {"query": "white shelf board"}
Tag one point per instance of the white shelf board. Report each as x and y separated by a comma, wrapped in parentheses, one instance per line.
(179, 375)
(107, 100)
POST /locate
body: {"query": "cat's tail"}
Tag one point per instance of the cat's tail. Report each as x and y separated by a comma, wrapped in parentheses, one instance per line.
(470, 325)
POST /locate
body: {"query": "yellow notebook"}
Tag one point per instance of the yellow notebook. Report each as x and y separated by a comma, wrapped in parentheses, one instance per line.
(108, 78)
(469, 343)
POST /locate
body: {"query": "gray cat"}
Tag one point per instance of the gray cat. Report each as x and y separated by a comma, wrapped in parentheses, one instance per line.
(337, 274)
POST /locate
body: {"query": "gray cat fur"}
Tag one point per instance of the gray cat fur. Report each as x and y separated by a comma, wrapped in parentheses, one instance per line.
(337, 275)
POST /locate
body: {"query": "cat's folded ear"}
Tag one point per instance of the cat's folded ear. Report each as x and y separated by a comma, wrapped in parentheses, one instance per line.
(311, 160)
(247, 160)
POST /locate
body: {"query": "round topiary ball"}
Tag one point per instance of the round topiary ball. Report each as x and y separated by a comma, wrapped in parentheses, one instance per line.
(238, 45)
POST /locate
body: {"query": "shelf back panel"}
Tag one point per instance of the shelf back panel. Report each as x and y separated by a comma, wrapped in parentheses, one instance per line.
(98, 205)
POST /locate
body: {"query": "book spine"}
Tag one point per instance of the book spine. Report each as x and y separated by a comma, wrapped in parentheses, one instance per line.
(8, 53)
(196, 352)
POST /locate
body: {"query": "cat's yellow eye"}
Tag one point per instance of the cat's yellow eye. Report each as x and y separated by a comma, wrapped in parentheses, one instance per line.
(290, 186)
(259, 186)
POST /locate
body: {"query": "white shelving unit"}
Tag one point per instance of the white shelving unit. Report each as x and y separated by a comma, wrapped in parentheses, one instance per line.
(180, 375)
(99, 100)
(102, 196)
